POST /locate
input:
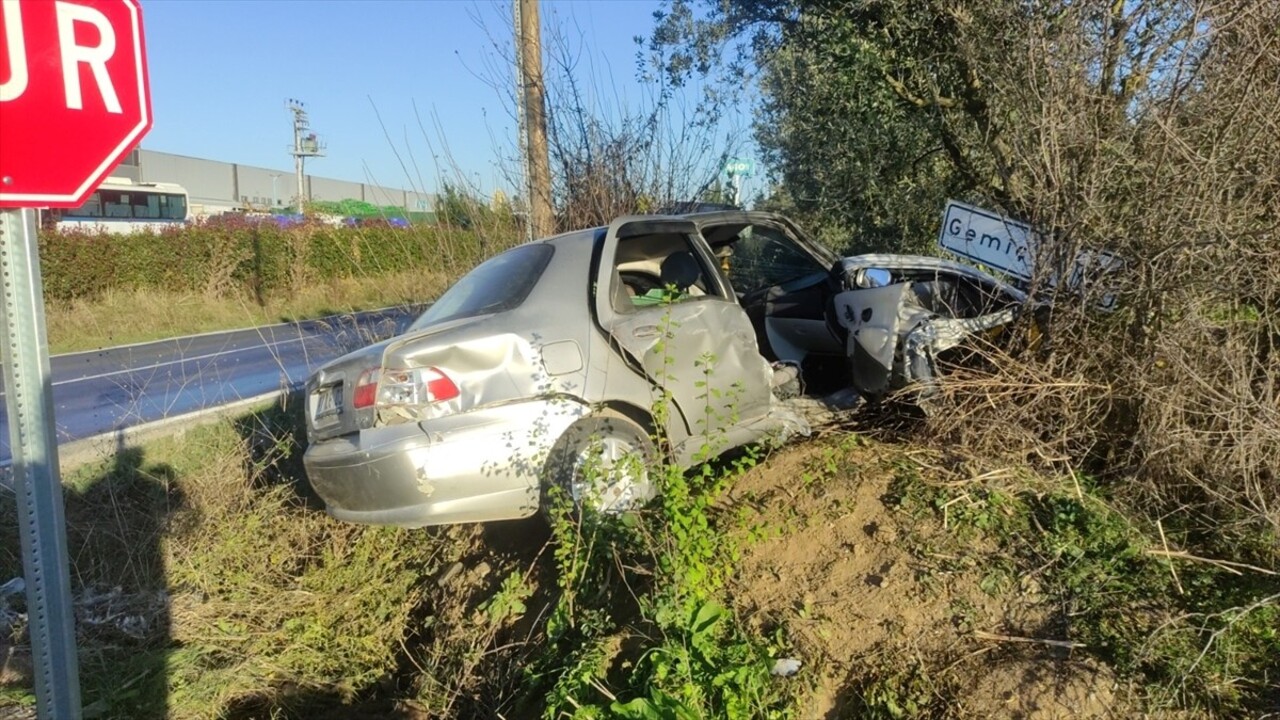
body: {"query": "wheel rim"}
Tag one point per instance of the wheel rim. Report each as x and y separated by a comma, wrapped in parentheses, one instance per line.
(610, 476)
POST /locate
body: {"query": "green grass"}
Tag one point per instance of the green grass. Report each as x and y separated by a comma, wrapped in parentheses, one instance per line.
(642, 627)
(218, 584)
(1198, 636)
(248, 601)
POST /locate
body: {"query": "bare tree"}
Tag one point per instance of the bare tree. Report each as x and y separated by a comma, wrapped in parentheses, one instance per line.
(610, 154)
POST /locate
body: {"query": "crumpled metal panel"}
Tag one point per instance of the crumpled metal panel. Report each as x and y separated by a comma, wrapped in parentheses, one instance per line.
(704, 353)
(893, 341)
(787, 421)
(481, 465)
(511, 453)
(488, 370)
(873, 317)
(850, 265)
(950, 332)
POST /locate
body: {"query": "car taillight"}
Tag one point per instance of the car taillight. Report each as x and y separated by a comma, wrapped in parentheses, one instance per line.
(402, 387)
(366, 388)
(414, 387)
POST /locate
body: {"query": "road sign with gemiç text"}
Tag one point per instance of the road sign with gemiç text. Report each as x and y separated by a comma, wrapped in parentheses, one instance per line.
(988, 238)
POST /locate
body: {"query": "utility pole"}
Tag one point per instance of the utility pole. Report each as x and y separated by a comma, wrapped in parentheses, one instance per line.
(305, 145)
(522, 138)
(531, 97)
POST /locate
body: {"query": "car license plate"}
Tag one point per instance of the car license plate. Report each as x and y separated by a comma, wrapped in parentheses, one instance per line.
(328, 405)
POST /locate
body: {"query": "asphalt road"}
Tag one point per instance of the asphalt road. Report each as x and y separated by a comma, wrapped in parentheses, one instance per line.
(102, 391)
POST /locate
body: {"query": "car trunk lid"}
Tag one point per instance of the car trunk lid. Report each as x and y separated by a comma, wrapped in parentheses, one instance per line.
(331, 390)
(331, 393)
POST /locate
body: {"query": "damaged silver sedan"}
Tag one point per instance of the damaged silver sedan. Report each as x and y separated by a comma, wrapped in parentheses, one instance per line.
(543, 366)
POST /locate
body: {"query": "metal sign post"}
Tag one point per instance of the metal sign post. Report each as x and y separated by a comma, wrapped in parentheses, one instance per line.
(36, 479)
(75, 101)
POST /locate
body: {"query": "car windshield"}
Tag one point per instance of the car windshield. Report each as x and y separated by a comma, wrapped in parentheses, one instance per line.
(765, 257)
(496, 285)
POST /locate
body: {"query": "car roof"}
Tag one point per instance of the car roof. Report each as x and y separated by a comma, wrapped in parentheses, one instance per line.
(719, 217)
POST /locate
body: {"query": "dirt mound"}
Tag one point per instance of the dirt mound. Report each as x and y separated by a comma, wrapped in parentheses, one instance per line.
(888, 613)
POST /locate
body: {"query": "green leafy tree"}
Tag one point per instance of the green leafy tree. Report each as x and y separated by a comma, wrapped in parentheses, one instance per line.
(877, 111)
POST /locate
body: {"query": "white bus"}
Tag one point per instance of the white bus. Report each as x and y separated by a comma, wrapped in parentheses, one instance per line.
(122, 206)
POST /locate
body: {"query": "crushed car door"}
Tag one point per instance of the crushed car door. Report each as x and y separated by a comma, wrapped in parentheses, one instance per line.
(687, 335)
(873, 318)
(782, 284)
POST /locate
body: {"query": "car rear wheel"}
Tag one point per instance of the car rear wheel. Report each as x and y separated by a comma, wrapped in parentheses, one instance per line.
(601, 462)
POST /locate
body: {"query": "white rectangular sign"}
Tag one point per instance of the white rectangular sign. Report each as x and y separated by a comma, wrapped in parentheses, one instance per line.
(988, 238)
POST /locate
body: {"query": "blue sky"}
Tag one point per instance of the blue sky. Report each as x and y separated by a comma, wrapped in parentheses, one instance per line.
(221, 71)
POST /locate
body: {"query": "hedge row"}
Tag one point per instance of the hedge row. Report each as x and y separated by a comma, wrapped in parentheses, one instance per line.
(236, 255)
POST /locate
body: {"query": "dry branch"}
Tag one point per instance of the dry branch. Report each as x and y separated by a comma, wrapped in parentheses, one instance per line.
(1228, 565)
(994, 637)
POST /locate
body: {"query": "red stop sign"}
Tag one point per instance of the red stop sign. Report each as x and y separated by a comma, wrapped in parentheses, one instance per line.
(74, 98)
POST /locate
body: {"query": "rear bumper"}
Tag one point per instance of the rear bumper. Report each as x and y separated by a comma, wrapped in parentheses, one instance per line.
(472, 467)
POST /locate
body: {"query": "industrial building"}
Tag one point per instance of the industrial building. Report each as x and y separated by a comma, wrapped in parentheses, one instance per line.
(215, 187)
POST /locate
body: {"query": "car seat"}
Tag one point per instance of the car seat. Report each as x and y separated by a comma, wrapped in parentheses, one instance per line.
(681, 269)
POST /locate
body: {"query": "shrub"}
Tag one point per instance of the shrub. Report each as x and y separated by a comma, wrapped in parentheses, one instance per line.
(226, 257)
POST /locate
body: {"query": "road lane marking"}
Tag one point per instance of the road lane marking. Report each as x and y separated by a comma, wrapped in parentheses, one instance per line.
(194, 358)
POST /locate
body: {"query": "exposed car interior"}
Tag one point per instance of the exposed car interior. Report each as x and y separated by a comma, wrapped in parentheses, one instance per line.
(657, 268)
(788, 289)
(788, 294)
(950, 295)
(784, 291)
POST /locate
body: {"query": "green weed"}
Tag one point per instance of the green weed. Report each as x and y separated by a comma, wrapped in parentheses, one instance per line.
(907, 690)
(657, 578)
(1198, 635)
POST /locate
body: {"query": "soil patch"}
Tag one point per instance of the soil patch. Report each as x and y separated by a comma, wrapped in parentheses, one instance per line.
(893, 613)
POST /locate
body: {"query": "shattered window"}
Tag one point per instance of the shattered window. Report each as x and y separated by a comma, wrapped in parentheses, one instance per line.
(765, 257)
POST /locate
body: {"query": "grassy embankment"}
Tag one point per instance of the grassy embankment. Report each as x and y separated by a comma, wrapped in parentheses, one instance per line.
(209, 584)
(907, 582)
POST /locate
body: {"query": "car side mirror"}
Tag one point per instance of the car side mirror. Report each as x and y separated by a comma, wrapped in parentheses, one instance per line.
(872, 278)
